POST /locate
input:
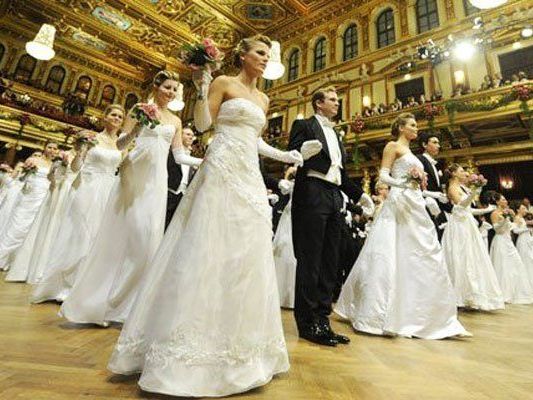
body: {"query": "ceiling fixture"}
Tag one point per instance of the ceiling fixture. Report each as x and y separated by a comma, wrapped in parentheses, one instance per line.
(464, 50)
(527, 32)
(274, 68)
(177, 104)
(42, 47)
(486, 4)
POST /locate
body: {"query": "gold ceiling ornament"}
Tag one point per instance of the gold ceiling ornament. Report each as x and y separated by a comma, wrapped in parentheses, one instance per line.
(171, 8)
(42, 46)
(223, 35)
(195, 17)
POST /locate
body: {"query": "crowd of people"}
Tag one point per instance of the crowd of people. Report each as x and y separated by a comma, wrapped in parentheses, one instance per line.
(188, 254)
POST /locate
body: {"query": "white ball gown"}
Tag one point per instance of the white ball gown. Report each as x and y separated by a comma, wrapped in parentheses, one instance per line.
(207, 321)
(399, 285)
(284, 258)
(12, 190)
(467, 257)
(89, 196)
(130, 233)
(27, 261)
(524, 245)
(510, 270)
(23, 214)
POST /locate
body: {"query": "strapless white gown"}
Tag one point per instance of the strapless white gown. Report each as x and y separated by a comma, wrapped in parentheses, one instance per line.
(469, 265)
(26, 265)
(12, 191)
(88, 199)
(23, 214)
(284, 258)
(510, 270)
(207, 320)
(524, 245)
(399, 284)
(131, 231)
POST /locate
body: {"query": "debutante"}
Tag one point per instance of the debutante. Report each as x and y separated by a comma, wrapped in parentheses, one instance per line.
(207, 319)
(399, 285)
(96, 164)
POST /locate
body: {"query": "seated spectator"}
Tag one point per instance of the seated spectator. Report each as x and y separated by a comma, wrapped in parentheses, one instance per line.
(487, 83)
(422, 99)
(367, 112)
(382, 108)
(497, 81)
(522, 76)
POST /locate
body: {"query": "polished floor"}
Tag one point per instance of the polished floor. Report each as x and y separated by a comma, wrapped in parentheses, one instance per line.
(44, 357)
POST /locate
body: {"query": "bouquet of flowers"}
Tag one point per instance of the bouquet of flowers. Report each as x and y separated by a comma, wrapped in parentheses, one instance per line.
(417, 178)
(5, 168)
(146, 114)
(85, 137)
(431, 111)
(198, 56)
(477, 180)
(358, 126)
(62, 158)
(522, 92)
(508, 214)
(29, 167)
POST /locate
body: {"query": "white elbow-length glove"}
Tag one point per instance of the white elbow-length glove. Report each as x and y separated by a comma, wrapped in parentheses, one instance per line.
(289, 157)
(181, 157)
(384, 176)
(310, 148)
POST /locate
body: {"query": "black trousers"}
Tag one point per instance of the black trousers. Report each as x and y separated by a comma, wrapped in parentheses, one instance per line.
(173, 200)
(348, 253)
(316, 232)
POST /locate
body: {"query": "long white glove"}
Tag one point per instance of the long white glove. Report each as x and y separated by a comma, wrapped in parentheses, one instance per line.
(436, 195)
(432, 206)
(310, 148)
(285, 186)
(384, 176)
(367, 205)
(470, 198)
(181, 157)
(289, 157)
(202, 116)
(481, 211)
(273, 199)
(519, 230)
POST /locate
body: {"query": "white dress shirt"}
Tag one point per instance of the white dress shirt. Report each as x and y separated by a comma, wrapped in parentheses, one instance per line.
(185, 169)
(334, 173)
(433, 163)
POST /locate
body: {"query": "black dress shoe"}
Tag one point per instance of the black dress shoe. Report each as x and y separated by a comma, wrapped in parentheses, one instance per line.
(339, 338)
(316, 335)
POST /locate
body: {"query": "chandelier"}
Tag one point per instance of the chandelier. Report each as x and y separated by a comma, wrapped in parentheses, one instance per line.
(274, 68)
(486, 4)
(42, 47)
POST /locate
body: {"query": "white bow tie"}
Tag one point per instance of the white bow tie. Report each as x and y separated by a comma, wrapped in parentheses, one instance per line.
(431, 160)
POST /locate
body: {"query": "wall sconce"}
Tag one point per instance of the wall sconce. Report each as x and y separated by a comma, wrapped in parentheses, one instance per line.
(366, 101)
(459, 77)
(300, 116)
(507, 183)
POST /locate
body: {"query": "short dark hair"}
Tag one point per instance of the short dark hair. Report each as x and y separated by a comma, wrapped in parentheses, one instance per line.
(320, 95)
(424, 137)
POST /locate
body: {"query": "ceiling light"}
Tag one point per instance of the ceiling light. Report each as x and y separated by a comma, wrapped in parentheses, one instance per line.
(464, 51)
(274, 68)
(517, 45)
(42, 47)
(485, 4)
(527, 32)
(406, 77)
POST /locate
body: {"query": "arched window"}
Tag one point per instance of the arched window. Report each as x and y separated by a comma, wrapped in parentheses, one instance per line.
(349, 43)
(320, 55)
(469, 8)
(25, 68)
(385, 28)
(55, 79)
(427, 15)
(108, 95)
(2, 52)
(131, 100)
(267, 84)
(294, 65)
(83, 87)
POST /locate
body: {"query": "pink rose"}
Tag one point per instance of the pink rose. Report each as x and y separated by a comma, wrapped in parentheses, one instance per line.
(150, 110)
(207, 42)
(212, 52)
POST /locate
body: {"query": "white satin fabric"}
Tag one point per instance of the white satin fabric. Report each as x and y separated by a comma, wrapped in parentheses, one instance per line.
(207, 319)
(399, 285)
(524, 245)
(28, 260)
(88, 199)
(284, 258)
(23, 214)
(11, 192)
(510, 270)
(129, 235)
(469, 265)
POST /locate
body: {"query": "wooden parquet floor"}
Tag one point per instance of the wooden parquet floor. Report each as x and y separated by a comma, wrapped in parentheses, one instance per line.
(42, 357)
